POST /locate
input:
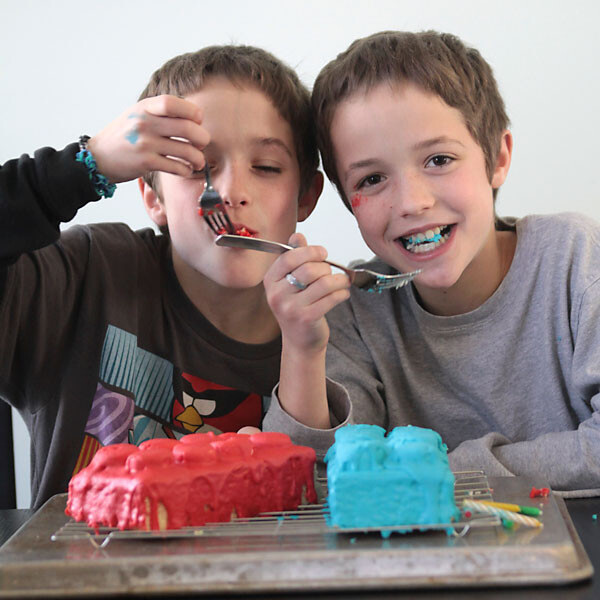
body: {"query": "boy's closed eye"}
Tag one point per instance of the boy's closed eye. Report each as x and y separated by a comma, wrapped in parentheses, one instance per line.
(260, 168)
(267, 168)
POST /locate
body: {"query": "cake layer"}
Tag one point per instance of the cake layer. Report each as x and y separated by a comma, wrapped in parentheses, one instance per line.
(168, 484)
(400, 479)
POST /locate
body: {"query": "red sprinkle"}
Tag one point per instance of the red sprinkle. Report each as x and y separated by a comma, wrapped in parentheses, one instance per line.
(239, 231)
(539, 492)
(243, 231)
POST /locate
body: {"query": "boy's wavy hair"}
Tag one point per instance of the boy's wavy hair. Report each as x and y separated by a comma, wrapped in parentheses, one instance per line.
(438, 63)
(245, 65)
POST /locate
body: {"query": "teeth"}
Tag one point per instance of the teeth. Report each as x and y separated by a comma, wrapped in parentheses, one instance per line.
(426, 247)
(431, 235)
(416, 243)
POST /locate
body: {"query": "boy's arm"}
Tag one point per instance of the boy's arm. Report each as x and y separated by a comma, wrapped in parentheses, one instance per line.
(302, 392)
(37, 194)
(568, 460)
(340, 414)
(349, 361)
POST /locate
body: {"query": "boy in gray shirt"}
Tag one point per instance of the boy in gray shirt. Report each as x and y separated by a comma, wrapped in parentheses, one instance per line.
(494, 345)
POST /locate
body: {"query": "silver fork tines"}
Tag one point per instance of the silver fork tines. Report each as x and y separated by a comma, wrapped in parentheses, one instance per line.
(213, 207)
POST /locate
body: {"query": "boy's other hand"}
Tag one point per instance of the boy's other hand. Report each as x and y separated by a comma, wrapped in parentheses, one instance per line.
(301, 289)
(161, 133)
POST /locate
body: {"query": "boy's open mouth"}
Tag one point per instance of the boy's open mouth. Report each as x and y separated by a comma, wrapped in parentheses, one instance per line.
(428, 240)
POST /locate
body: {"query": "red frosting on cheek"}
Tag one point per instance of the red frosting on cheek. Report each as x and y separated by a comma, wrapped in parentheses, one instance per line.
(357, 200)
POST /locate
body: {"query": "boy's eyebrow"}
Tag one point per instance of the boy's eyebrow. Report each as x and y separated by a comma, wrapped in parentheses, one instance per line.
(442, 139)
(359, 164)
(273, 141)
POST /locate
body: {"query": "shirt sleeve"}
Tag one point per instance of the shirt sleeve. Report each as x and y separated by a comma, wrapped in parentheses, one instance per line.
(36, 195)
(340, 412)
(350, 362)
(354, 392)
(569, 460)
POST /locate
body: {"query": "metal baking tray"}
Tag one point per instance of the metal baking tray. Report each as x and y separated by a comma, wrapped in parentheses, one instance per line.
(290, 553)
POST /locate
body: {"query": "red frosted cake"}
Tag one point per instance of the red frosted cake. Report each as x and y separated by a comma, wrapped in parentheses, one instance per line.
(168, 484)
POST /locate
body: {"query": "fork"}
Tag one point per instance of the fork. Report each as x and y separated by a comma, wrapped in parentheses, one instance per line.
(212, 207)
(361, 278)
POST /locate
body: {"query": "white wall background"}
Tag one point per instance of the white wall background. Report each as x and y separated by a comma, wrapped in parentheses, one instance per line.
(69, 67)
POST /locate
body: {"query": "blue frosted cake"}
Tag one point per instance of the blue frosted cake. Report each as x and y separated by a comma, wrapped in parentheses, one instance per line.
(400, 479)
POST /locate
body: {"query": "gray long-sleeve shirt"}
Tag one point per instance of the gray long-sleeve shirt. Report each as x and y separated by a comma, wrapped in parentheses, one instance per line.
(513, 387)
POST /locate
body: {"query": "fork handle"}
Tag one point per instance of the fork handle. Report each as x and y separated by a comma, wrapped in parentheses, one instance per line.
(351, 273)
(234, 241)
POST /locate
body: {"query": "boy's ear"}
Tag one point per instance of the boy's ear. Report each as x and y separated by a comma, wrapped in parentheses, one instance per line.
(308, 200)
(503, 160)
(152, 203)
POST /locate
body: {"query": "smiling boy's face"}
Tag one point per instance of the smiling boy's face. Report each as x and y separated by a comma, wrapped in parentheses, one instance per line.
(254, 167)
(413, 172)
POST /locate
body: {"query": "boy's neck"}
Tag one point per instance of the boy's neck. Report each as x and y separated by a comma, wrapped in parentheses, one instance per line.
(477, 283)
(240, 314)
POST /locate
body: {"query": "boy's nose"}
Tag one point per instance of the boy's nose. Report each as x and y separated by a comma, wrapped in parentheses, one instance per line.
(413, 196)
(233, 188)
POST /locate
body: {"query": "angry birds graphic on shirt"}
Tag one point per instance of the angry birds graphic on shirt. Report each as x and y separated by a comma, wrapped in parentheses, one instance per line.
(142, 396)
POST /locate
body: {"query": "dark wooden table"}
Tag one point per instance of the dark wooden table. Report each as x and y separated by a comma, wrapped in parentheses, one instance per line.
(582, 513)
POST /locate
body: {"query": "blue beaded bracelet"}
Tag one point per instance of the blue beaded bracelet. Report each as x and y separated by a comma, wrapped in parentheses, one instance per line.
(102, 185)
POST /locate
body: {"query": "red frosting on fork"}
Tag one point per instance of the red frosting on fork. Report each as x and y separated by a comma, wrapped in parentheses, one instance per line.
(238, 231)
(202, 478)
(242, 230)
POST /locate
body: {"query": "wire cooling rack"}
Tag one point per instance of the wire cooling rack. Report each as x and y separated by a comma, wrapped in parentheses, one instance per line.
(309, 519)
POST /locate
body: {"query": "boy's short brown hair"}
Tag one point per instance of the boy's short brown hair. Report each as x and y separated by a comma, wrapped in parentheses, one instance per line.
(438, 63)
(245, 65)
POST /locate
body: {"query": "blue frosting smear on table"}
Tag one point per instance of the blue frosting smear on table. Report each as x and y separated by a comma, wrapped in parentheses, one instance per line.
(400, 479)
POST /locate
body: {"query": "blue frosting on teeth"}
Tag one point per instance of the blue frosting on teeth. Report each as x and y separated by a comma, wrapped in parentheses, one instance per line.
(436, 238)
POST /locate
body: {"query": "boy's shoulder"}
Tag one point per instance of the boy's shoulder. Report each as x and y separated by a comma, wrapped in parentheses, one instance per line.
(112, 235)
(565, 245)
(112, 248)
(563, 226)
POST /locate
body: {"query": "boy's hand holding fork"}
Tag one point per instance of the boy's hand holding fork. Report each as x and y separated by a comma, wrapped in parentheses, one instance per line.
(301, 289)
(160, 133)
